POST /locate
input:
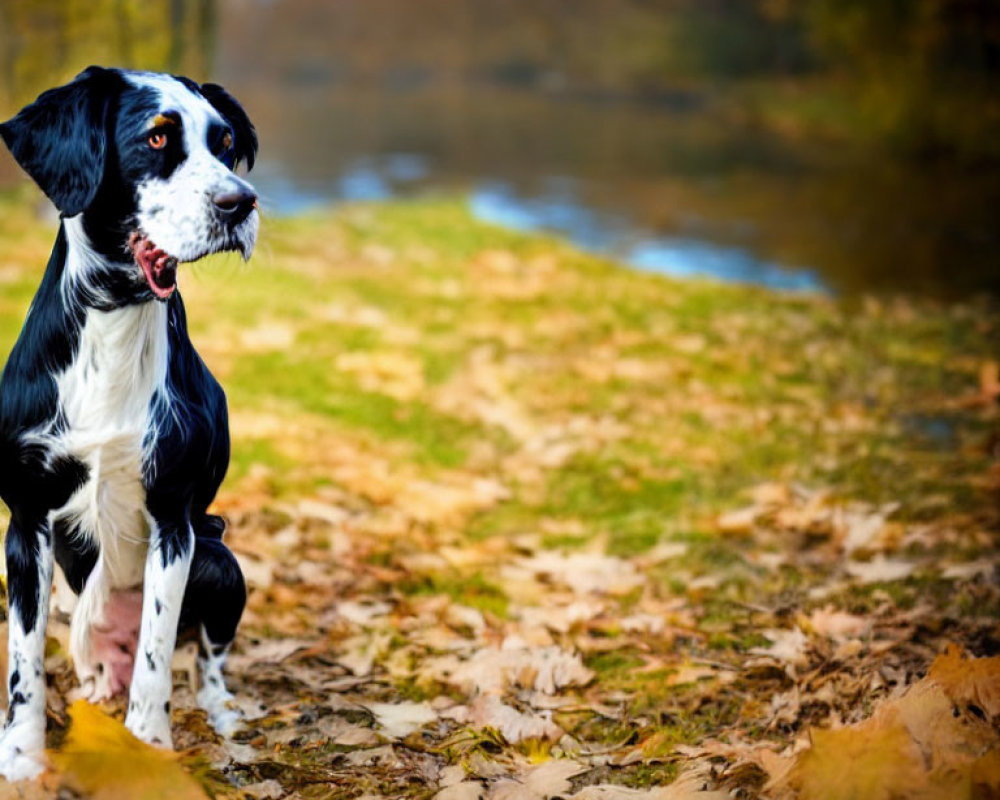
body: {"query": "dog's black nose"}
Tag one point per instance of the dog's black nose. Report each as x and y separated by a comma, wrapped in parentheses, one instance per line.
(234, 206)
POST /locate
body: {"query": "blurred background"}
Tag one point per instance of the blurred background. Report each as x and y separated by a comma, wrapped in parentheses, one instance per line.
(847, 146)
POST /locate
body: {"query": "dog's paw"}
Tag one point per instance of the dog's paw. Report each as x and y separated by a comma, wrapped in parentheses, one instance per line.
(22, 755)
(151, 725)
(222, 715)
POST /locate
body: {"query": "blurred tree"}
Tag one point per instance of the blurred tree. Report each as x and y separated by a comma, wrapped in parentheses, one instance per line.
(46, 42)
(927, 70)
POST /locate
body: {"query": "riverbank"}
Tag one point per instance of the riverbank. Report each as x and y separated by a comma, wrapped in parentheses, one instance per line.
(510, 512)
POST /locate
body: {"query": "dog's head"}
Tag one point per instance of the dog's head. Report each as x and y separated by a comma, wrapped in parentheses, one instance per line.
(147, 160)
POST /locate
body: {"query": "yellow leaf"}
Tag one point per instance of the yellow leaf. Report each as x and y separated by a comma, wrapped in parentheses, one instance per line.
(966, 680)
(104, 761)
(873, 761)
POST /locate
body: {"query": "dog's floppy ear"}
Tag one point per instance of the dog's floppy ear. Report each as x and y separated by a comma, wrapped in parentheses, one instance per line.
(61, 139)
(244, 135)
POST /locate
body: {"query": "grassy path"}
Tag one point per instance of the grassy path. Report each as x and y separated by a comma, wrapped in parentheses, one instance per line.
(520, 523)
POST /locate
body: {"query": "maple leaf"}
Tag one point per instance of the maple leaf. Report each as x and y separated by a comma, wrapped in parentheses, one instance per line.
(974, 681)
(875, 761)
(103, 760)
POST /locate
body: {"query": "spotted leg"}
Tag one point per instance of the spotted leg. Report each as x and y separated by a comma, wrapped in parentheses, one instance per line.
(29, 582)
(168, 563)
(214, 601)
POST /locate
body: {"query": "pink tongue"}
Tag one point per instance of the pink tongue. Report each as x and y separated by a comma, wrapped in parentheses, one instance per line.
(158, 267)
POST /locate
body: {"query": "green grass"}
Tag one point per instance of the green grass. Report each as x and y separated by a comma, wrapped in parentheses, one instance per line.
(455, 387)
(707, 389)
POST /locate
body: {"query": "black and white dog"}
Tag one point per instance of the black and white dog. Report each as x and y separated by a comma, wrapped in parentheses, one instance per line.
(113, 434)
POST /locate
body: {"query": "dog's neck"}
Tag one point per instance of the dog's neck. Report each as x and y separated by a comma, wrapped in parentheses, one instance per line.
(91, 279)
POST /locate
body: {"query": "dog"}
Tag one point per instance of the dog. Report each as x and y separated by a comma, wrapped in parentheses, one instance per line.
(113, 433)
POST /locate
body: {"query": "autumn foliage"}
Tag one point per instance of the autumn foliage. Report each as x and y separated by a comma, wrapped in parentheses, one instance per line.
(520, 524)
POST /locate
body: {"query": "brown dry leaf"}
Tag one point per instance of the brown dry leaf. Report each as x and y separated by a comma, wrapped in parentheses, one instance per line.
(968, 570)
(489, 711)
(544, 669)
(879, 570)
(739, 522)
(968, 680)
(586, 572)
(264, 790)
(550, 779)
(399, 720)
(692, 673)
(788, 646)
(270, 651)
(467, 790)
(772, 494)
(837, 625)
(560, 618)
(692, 785)
(102, 759)
(861, 528)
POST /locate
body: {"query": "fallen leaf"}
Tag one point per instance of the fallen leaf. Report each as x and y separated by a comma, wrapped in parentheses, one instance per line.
(875, 762)
(970, 569)
(264, 790)
(399, 720)
(786, 645)
(692, 673)
(739, 522)
(585, 573)
(919, 744)
(544, 669)
(550, 779)
(879, 570)
(270, 651)
(692, 785)
(449, 776)
(837, 625)
(102, 759)
(968, 680)
(467, 790)
(860, 528)
(489, 711)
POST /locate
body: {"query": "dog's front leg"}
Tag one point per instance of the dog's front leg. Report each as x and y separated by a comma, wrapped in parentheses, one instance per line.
(29, 584)
(168, 562)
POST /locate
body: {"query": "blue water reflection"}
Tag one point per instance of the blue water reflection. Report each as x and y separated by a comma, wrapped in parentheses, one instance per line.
(556, 208)
(610, 234)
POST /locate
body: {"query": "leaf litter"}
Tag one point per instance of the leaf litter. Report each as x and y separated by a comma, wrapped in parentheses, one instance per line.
(577, 540)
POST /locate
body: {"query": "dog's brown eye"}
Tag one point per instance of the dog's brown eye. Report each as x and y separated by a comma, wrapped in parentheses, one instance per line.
(227, 141)
(158, 140)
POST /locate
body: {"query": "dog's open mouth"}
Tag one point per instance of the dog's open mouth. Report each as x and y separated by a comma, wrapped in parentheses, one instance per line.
(159, 267)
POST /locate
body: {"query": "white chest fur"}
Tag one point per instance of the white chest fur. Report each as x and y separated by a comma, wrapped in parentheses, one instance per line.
(105, 396)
